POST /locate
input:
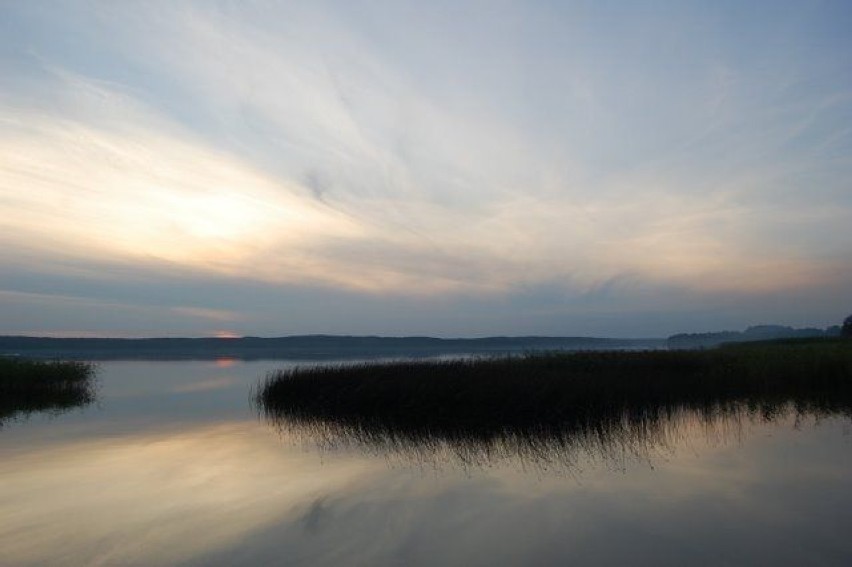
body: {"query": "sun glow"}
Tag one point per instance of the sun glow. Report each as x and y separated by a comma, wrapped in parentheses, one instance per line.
(221, 214)
(222, 334)
(142, 194)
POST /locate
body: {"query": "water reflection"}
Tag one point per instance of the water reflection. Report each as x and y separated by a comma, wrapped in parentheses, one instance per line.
(566, 447)
(167, 472)
(153, 498)
(229, 494)
(225, 361)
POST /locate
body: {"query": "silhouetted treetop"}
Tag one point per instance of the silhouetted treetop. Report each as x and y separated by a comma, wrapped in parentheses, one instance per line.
(846, 330)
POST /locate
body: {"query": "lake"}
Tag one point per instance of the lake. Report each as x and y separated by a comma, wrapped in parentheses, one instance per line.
(173, 466)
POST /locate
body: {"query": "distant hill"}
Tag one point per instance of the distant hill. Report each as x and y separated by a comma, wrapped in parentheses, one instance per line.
(308, 347)
(754, 333)
(319, 347)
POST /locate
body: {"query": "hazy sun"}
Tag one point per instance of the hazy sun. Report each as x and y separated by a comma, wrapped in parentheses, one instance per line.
(216, 216)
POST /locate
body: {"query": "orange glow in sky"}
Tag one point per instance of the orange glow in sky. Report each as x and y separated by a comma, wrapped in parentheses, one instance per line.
(221, 334)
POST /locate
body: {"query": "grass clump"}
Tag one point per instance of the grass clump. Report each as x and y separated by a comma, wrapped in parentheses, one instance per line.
(28, 386)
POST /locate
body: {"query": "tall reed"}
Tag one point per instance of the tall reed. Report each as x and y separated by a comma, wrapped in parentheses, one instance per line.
(604, 399)
(28, 386)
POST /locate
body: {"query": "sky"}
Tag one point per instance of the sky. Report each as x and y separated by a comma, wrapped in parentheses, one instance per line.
(424, 168)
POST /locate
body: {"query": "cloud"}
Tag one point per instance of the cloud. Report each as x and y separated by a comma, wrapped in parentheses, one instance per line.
(210, 314)
(72, 188)
(316, 146)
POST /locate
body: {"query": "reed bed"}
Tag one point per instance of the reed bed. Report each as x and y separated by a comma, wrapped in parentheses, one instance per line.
(595, 401)
(28, 386)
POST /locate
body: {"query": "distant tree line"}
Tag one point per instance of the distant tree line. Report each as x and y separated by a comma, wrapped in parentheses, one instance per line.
(755, 333)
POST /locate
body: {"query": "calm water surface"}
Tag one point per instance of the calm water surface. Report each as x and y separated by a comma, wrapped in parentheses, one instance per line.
(173, 466)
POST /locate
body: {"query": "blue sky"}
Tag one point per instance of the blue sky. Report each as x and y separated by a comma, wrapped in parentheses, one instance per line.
(442, 168)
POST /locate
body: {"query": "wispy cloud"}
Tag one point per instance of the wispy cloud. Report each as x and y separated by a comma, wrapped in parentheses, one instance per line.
(317, 146)
(210, 314)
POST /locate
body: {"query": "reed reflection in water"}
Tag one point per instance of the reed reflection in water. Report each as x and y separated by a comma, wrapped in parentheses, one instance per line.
(558, 410)
(611, 444)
